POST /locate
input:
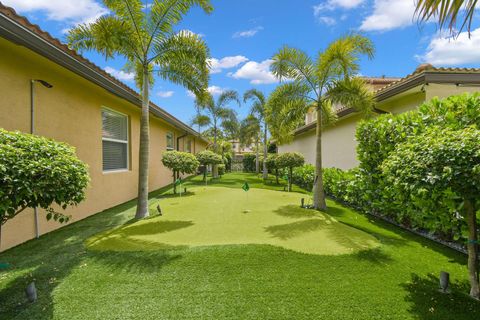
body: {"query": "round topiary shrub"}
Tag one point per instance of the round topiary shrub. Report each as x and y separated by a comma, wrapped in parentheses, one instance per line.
(39, 172)
(180, 163)
(207, 158)
(290, 160)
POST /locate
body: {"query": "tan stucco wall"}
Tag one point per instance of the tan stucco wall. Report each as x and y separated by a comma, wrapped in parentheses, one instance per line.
(338, 144)
(447, 90)
(71, 112)
(338, 141)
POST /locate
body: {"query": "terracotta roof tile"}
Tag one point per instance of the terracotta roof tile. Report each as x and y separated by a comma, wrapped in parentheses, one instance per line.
(427, 68)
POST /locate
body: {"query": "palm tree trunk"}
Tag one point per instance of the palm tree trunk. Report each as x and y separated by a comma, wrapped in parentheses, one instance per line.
(215, 167)
(257, 160)
(472, 249)
(319, 202)
(265, 172)
(143, 157)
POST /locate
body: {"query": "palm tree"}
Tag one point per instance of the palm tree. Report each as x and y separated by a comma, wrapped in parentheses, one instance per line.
(250, 131)
(318, 85)
(217, 112)
(145, 37)
(447, 12)
(200, 120)
(258, 109)
(231, 125)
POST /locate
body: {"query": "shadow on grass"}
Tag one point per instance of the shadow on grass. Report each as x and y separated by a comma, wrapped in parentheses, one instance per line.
(427, 302)
(126, 238)
(51, 258)
(295, 212)
(375, 256)
(294, 229)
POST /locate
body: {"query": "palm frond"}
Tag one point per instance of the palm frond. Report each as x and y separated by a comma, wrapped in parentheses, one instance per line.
(294, 64)
(447, 12)
(352, 93)
(259, 102)
(130, 12)
(164, 14)
(226, 97)
(107, 35)
(286, 109)
(341, 58)
(249, 130)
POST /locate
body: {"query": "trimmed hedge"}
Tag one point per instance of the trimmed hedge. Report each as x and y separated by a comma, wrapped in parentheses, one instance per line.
(369, 187)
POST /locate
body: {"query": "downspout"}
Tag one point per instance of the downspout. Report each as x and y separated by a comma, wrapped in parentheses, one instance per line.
(32, 131)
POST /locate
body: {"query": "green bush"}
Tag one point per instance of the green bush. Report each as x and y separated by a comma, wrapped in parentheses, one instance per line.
(439, 169)
(304, 176)
(207, 158)
(290, 160)
(38, 172)
(180, 163)
(221, 169)
(344, 185)
(379, 137)
(272, 164)
(249, 162)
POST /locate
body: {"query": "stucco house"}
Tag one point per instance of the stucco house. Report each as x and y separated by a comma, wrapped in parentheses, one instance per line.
(52, 91)
(392, 95)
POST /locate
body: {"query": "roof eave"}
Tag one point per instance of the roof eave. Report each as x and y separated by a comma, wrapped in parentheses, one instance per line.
(21, 35)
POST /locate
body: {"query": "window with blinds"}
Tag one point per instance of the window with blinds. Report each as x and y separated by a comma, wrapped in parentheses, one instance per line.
(114, 140)
(170, 141)
(188, 146)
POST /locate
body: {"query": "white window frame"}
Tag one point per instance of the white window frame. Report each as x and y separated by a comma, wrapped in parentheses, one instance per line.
(173, 141)
(127, 142)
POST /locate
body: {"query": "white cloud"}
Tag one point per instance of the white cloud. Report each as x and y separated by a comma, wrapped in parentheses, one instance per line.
(256, 72)
(389, 14)
(61, 10)
(216, 65)
(330, 5)
(453, 51)
(215, 90)
(119, 74)
(165, 94)
(329, 21)
(247, 33)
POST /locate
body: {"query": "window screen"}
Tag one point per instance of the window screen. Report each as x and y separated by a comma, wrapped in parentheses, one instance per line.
(114, 140)
(170, 141)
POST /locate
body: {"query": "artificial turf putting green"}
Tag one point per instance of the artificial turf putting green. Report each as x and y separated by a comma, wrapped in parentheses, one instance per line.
(226, 216)
(396, 280)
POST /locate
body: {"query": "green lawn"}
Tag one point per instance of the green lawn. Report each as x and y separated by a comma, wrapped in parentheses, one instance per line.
(208, 259)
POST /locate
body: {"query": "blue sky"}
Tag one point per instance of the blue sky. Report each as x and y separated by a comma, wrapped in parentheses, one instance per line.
(243, 36)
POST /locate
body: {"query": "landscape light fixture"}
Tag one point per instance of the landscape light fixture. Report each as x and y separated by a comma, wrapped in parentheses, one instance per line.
(444, 281)
(31, 292)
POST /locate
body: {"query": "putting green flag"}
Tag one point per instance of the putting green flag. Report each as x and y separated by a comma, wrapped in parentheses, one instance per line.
(178, 181)
(246, 187)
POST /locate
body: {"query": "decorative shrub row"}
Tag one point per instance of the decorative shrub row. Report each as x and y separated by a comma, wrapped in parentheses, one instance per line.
(379, 139)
